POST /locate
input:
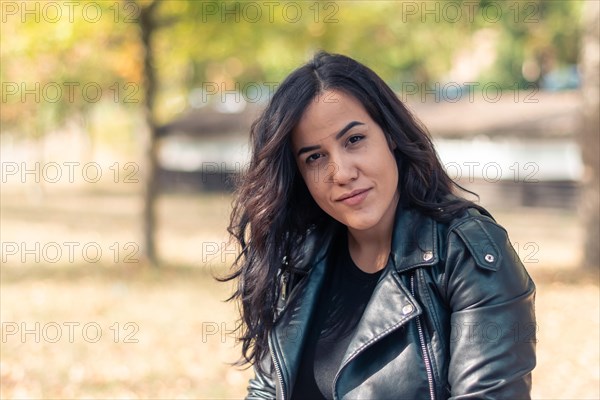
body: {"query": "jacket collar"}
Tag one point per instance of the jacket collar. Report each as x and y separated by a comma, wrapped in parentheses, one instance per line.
(414, 244)
(414, 240)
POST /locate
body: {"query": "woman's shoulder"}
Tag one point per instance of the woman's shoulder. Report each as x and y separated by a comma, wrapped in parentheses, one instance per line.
(479, 264)
(477, 230)
(471, 218)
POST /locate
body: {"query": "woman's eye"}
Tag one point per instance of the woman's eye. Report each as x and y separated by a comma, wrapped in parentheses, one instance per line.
(313, 157)
(355, 138)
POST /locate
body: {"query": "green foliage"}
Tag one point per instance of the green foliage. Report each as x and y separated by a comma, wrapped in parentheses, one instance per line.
(233, 43)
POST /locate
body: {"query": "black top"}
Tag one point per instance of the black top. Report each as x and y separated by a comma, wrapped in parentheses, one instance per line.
(346, 292)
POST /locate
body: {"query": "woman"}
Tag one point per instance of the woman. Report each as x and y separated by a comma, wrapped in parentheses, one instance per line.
(362, 274)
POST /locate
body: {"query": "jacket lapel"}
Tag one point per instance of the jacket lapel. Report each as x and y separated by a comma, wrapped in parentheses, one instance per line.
(391, 304)
(390, 307)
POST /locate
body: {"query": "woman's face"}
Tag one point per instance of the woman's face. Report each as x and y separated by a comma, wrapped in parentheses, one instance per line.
(346, 162)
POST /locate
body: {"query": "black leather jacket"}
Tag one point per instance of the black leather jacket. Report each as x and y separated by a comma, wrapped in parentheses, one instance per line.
(452, 316)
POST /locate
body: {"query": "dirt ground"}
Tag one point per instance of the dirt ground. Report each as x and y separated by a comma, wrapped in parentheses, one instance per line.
(84, 325)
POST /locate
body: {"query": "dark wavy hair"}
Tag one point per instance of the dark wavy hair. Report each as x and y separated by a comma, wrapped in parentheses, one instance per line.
(273, 209)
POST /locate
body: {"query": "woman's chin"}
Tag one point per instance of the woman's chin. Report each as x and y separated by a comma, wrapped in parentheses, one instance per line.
(361, 224)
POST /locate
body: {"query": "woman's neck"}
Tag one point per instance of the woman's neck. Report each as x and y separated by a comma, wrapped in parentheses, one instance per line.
(370, 248)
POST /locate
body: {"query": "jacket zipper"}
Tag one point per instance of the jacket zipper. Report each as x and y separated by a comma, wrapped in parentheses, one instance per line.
(283, 297)
(277, 369)
(423, 346)
(284, 282)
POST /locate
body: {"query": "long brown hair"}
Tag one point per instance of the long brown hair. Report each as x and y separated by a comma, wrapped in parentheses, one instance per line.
(273, 209)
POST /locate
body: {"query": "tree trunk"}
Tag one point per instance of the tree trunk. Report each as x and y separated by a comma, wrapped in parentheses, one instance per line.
(148, 26)
(589, 134)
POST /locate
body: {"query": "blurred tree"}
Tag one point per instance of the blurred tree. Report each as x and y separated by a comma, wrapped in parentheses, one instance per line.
(234, 43)
(535, 37)
(186, 48)
(148, 24)
(55, 66)
(589, 136)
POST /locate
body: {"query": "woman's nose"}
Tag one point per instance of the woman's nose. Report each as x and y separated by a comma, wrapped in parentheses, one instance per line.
(342, 171)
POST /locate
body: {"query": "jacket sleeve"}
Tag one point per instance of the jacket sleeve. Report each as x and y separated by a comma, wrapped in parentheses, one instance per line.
(262, 386)
(493, 327)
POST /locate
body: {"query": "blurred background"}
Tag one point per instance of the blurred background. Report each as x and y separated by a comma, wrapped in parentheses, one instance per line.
(125, 123)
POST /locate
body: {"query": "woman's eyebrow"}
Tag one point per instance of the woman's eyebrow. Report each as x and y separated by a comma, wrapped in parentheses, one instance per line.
(307, 149)
(347, 128)
(341, 133)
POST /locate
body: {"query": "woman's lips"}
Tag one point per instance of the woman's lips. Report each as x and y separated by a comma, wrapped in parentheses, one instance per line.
(355, 197)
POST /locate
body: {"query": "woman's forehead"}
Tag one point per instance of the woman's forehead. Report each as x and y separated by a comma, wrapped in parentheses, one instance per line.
(326, 115)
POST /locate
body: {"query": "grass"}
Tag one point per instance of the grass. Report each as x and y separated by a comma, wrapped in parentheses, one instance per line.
(179, 342)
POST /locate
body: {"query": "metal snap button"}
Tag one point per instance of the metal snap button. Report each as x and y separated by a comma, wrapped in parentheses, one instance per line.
(489, 258)
(428, 255)
(407, 309)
